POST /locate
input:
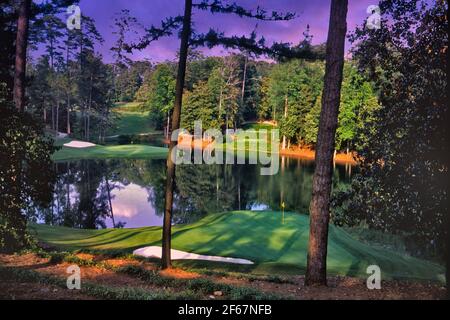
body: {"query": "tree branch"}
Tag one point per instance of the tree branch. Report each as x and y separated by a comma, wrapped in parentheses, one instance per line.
(216, 6)
(278, 50)
(167, 28)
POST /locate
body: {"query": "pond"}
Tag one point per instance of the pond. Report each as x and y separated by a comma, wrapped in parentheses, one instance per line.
(130, 193)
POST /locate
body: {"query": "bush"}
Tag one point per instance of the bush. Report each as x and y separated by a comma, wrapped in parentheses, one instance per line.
(13, 237)
(26, 174)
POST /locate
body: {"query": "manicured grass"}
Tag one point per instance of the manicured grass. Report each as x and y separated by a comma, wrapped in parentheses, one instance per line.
(275, 247)
(128, 106)
(257, 126)
(131, 120)
(251, 139)
(131, 151)
(132, 123)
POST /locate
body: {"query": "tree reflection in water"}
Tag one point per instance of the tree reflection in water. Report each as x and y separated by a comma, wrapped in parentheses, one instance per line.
(106, 193)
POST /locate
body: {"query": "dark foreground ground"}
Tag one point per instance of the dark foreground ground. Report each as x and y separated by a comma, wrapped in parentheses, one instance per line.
(43, 276)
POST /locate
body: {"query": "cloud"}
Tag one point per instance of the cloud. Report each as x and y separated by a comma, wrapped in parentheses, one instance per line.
(130, 201)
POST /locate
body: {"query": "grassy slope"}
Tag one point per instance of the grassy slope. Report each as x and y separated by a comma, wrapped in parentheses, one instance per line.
(132, 151)
(251, 138)
(128, 106)
(258, 236)
(256, 126)
(132, 120)
(132, 123)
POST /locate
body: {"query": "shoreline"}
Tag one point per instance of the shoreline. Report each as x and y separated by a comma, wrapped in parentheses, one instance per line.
(301, 153)
(343, 158)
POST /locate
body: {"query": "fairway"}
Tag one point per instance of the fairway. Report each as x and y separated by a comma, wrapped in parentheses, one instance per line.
(131, 120)
(259, 236)
(132, 123)
(132, 151)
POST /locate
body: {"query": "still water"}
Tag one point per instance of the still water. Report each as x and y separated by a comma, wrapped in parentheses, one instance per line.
(130, 193)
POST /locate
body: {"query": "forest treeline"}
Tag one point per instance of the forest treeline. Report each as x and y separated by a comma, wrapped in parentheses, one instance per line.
(225, 92)
(73, 91)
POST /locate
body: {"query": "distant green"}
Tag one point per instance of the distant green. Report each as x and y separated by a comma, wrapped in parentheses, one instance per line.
(258, 126)
(262, 237)
(131, 119)
(131, 151)
(131, 123)
(252, 138)
(128, 106)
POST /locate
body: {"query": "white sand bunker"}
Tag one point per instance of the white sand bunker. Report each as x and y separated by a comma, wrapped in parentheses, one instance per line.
(79, 144)
(155, 252)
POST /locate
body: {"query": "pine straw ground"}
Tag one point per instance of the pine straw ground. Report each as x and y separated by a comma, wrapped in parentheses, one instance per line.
(43, 276)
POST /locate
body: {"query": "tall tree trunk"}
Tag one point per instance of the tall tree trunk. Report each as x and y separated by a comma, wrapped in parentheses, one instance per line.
(68, 189)
(68, 88)
(285, 116)
(243, 81)
(53, 117)
(81, 54)
(68, 115)
(320, 202)
(220, 104)
(170, 180)
(57, 117)
(106, 123)
(21, 54)
(83, 118)
(88, 124)
(51, 55)
(168, 125)
(52, 218)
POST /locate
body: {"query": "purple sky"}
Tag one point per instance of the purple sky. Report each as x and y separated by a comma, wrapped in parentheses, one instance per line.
(313, 12)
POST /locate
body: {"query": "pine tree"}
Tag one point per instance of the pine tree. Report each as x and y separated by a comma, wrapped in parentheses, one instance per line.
(316, 271)
(21, 54)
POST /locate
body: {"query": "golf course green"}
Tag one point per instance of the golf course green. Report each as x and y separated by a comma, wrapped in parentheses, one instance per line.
(131, 120)
(130, 151)
(273, 244)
